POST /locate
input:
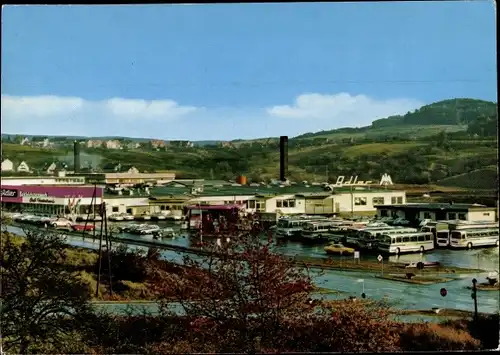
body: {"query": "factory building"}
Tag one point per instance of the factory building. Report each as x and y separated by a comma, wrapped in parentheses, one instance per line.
(439, 211)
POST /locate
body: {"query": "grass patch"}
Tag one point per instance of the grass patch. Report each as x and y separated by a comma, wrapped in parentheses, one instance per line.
(378, 148)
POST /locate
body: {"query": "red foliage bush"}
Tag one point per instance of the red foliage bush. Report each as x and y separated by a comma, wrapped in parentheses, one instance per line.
(435, 337)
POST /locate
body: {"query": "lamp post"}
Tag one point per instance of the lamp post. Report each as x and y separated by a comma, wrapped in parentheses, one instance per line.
(474, 297)
(363, 295)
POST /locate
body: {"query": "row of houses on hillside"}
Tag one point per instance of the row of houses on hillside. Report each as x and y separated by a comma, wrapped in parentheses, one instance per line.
(154, 143)
(9, 166)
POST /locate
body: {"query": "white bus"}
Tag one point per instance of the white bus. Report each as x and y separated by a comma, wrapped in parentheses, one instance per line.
(291, 228)
(319, 230)
(474, 237)
(443, 235)
(407, 243)
(356, 238)
(369, 238)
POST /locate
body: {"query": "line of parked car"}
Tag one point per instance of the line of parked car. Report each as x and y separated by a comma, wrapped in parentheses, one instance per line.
(148, 229)
(51, 221)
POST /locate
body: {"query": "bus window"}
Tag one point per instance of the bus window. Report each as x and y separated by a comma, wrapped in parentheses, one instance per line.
(456, 235)
(398, 240)
(427, 237)
(421, 238)
(414, 238)
(406, 239)
(393, 240)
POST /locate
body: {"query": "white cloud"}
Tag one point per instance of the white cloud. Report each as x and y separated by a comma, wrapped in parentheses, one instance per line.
(39, 106)
(55, 107)
(167, 119)
(168, 109)
(343, 109)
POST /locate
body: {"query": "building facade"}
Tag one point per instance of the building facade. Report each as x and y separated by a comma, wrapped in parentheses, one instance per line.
(439, 212)
(134, 205)
(43, 180)
(50, 200)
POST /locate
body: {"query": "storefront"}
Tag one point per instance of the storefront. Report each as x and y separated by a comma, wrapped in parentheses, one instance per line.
(50, 200)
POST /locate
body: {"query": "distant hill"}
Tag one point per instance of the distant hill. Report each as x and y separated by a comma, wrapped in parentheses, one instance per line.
(447, 112)
(453, 115)
(486, 178)
(450, 115)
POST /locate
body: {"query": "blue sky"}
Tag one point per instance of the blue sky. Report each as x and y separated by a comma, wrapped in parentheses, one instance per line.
(232, 71)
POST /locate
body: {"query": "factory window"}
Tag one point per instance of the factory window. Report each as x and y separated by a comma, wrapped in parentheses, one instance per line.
(285, 203)
(462, 217)
(251, 204)
(452, 215)
(427, 215)
(115, 209)
(360, 201)
(378, 201)
(396, 200)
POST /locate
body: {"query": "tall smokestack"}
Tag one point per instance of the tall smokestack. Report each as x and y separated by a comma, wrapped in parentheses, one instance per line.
(76, 156)
(283, 157)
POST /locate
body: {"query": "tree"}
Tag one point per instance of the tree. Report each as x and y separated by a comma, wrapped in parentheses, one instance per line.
(243, 292)
(244, 296)
(42, 303)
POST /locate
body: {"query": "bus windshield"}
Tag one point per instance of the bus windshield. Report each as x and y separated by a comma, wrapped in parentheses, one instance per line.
(282, 224)
(456, 235)
(442, 235)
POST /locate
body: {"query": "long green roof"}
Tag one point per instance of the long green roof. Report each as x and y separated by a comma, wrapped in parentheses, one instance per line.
(250, 190)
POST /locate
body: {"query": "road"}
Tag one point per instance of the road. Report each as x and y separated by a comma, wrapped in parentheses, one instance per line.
(402, 295)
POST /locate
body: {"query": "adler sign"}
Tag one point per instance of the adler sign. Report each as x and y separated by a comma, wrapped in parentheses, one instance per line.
(353, 181)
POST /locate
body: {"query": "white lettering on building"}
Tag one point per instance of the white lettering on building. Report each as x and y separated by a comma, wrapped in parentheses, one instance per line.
(386, 180)
(353, 181)
(33, 194)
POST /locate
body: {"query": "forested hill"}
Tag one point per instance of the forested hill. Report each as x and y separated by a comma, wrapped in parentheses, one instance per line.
(447, 112)
(480, 116)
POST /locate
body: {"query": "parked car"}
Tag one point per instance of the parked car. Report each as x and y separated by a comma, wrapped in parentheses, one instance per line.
(61, 222)
(401, 222)
(83, 227)
(338, 249)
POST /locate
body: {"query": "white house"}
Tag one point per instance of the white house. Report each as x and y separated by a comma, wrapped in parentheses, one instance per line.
(133, 170)
(113, 144)
(52, 168)
(23, 168)
(7, 165)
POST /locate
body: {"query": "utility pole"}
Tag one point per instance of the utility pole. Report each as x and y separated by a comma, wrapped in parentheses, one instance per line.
(327, 180)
